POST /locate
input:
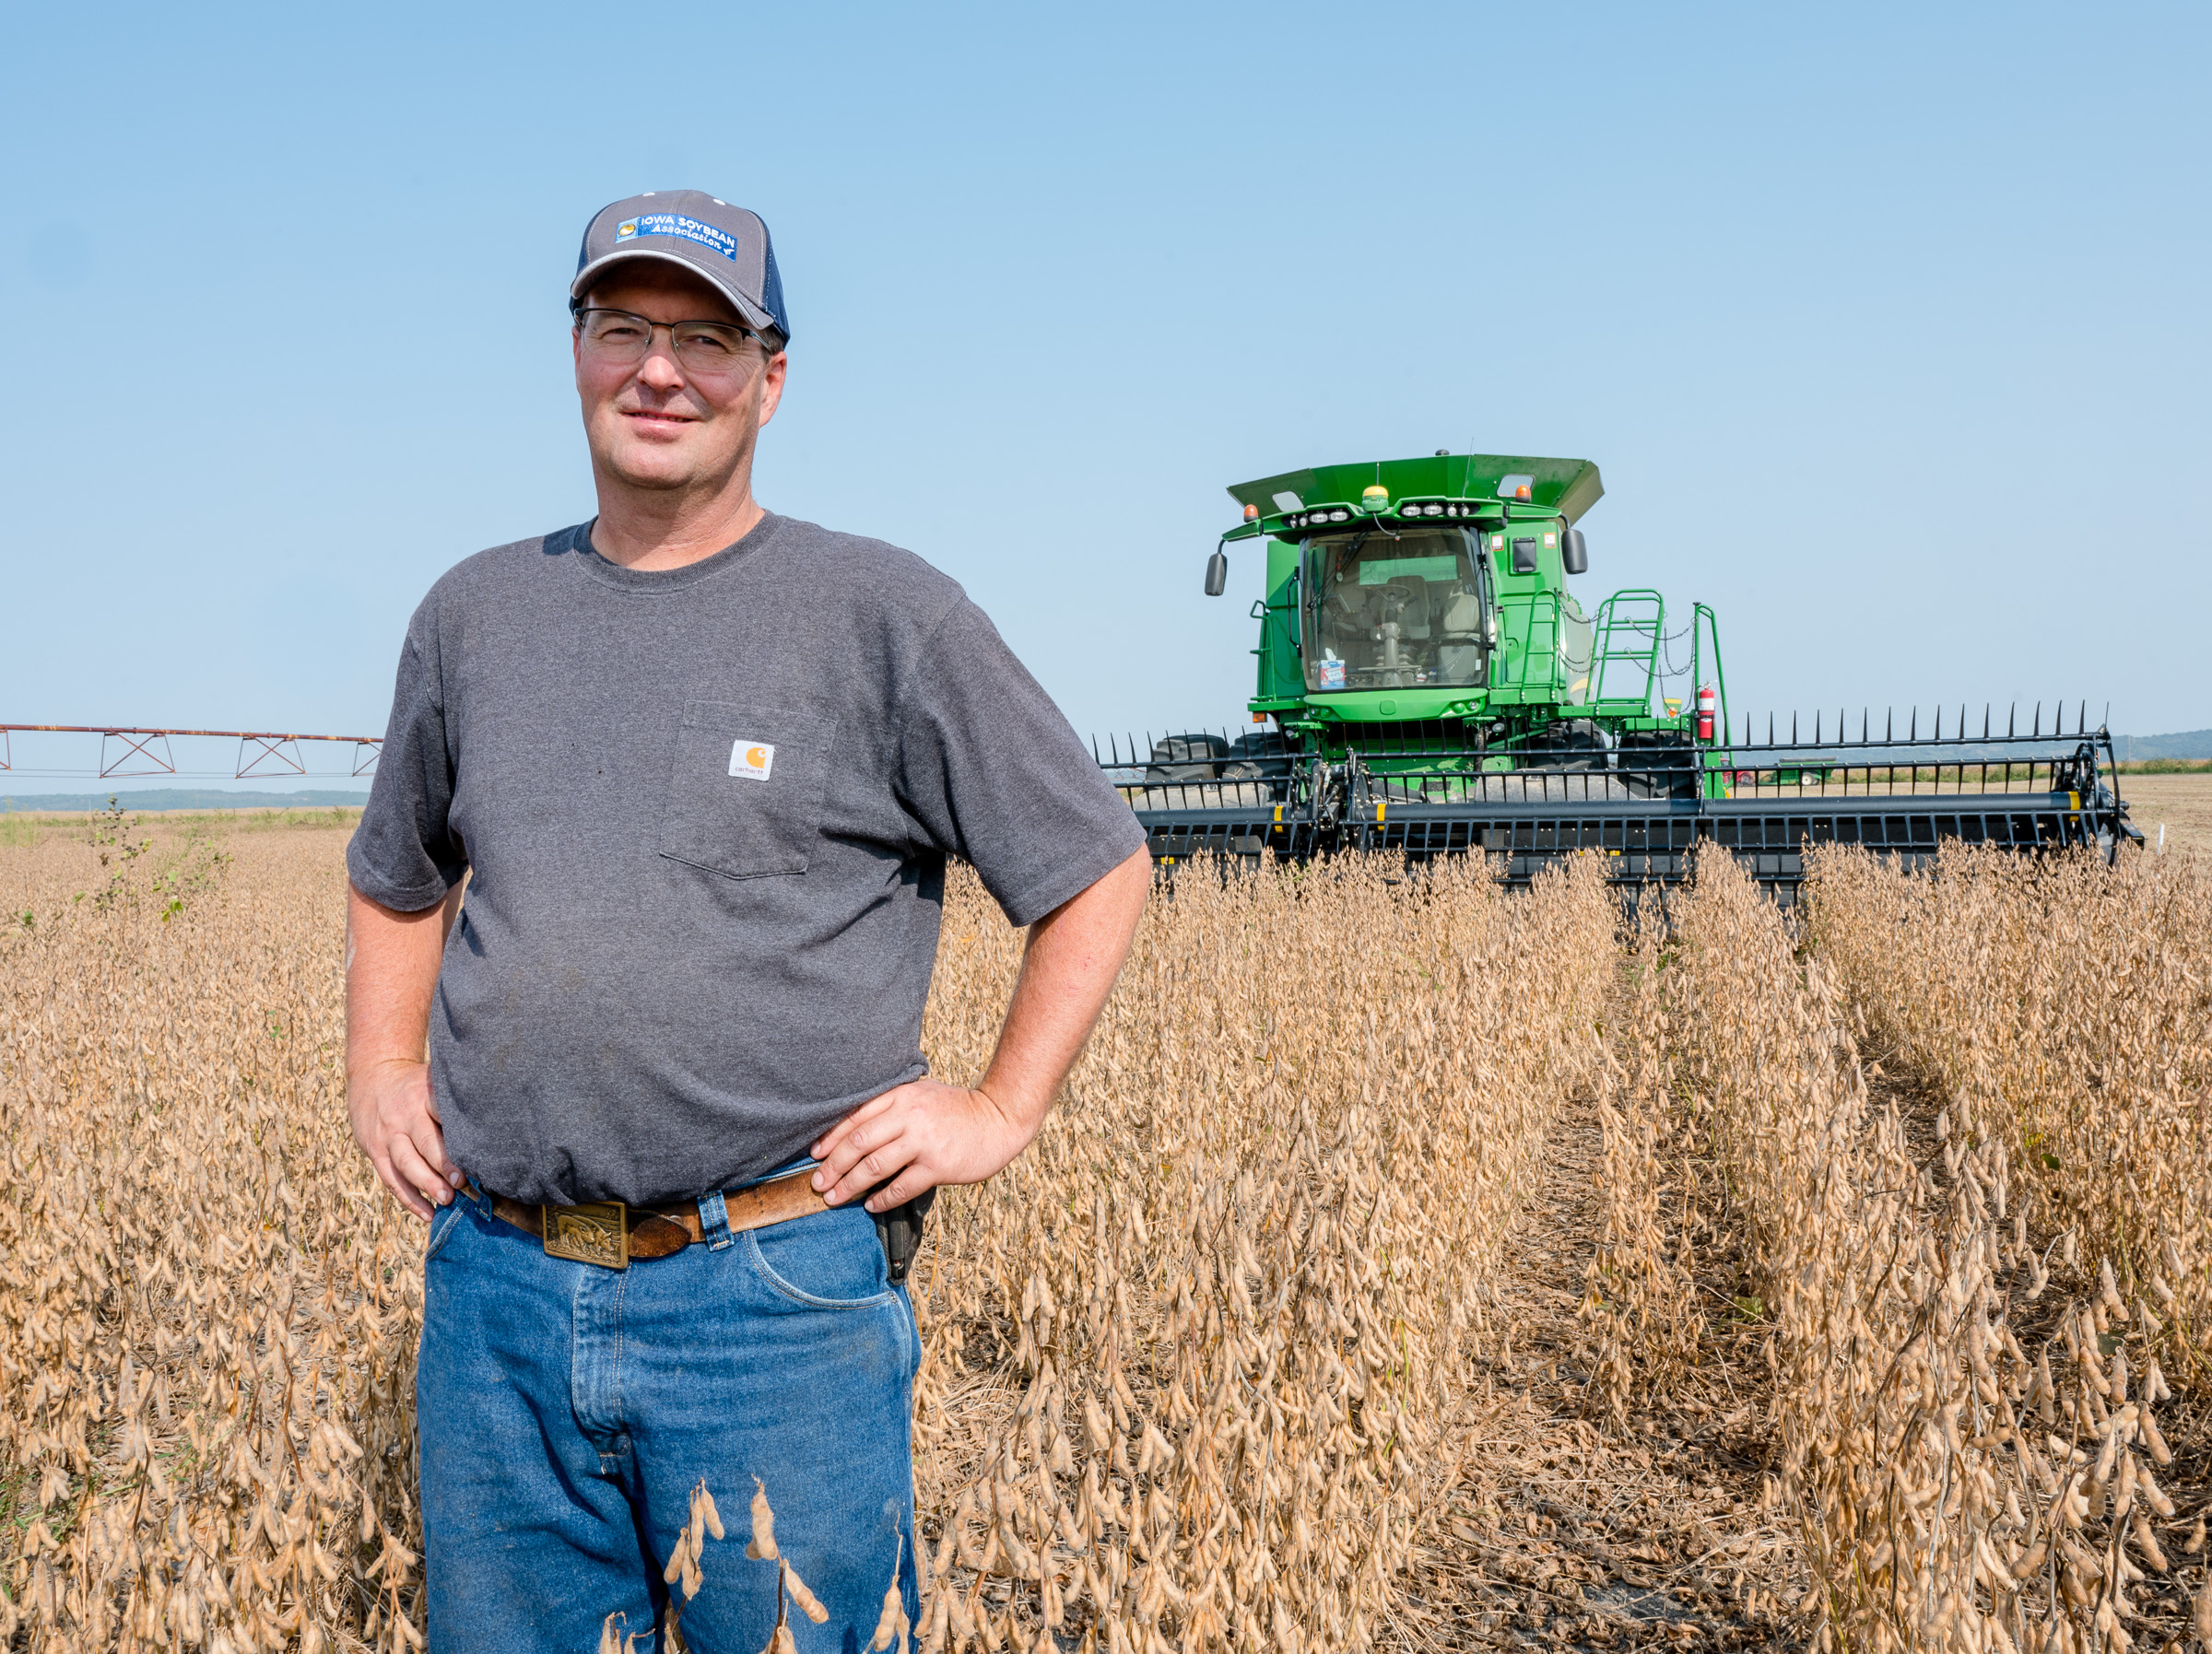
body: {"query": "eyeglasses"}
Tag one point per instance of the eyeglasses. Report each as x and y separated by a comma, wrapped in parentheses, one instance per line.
(620, 339)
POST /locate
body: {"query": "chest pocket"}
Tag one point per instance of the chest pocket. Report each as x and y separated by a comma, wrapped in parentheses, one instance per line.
(745, 797)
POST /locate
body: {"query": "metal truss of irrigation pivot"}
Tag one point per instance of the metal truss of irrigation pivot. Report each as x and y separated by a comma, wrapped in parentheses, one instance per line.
(135, 752)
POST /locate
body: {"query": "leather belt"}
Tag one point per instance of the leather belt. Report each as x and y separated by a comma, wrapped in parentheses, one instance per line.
(609, 1233)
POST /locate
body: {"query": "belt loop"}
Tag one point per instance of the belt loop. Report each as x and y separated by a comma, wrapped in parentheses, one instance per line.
(713, 1221)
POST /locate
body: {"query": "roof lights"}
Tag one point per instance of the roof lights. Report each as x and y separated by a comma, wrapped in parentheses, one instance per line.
(1375, 501)
(1252, 513)
(1435, 507)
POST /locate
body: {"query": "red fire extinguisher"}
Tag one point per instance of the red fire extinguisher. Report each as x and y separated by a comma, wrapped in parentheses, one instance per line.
(1705, 712)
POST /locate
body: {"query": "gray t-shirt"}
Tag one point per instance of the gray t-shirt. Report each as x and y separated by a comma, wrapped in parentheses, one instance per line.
(706, 811)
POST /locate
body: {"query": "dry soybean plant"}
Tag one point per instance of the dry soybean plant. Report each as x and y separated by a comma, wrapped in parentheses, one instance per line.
(1640, 1295)
(208, 1310)
(1191, 1364)
(1952, 1491)
(686, 1576)
(2065, 1008)
(1199, 1369)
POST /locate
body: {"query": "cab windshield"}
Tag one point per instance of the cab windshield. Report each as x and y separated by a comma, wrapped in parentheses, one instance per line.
(1390, 611)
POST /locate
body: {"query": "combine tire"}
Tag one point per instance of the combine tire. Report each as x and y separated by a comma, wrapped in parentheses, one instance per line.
(1186, 759)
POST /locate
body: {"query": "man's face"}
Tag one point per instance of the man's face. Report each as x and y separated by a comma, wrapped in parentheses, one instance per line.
(653, 424)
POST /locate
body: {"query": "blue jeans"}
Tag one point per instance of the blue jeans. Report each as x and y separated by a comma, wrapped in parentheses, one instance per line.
(566, 1412)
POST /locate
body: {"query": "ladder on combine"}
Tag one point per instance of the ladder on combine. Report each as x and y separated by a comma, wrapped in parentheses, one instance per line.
(1631, 630)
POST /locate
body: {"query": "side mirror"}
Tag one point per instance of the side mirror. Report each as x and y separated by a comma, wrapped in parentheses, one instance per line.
(1575, 553)
(1216, 573)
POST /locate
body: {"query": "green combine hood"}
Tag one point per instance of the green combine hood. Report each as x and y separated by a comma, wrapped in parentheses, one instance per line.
(1567, 486)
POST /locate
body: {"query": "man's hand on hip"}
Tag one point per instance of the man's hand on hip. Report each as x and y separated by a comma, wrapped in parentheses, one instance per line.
(921, 1133)
(924, 1133)
(395, 1121)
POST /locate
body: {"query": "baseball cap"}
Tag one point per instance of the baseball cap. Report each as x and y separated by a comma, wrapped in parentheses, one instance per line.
(706, 235)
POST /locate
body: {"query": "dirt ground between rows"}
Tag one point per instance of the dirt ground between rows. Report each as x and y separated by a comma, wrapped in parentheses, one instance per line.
(1566, 1532)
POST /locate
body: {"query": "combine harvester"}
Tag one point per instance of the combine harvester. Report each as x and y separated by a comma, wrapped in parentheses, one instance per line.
(1428, 686)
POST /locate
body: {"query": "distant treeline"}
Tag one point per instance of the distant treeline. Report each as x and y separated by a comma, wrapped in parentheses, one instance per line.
(2189, 745)
(181, 798)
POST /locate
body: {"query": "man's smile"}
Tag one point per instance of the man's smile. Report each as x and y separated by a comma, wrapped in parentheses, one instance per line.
(658, 419)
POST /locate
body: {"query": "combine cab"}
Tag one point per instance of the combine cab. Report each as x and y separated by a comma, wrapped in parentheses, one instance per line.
(1428, 685)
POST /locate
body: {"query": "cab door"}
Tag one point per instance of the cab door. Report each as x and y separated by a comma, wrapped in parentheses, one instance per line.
(1282, 674)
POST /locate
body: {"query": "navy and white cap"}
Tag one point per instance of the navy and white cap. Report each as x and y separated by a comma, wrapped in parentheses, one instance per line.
(706, 235)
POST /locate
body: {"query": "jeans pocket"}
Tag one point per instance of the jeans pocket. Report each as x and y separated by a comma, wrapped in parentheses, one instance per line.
(745, 797)
(443, 1222)
(910, 1329)
(826, 1260)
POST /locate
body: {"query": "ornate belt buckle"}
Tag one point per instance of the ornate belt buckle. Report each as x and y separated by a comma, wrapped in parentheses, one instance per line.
(595, 1232)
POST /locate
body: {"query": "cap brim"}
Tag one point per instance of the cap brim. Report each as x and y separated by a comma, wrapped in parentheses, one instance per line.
(754, 317)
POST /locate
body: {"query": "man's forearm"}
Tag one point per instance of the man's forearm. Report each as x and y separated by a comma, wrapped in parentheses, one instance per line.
(390, 973)
(1068, 970)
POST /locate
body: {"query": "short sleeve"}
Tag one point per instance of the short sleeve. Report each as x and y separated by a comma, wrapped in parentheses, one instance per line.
(994, 774)
(403, 854)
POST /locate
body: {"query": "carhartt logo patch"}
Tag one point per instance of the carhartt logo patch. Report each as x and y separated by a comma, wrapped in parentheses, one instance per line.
(752, 758)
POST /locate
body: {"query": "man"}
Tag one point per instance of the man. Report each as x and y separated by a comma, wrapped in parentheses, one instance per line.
(704, 765)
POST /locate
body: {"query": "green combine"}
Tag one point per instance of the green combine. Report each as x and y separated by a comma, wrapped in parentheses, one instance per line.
(1428, 685)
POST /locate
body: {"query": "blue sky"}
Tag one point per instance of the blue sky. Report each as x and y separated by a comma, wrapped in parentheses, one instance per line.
(1886, 324)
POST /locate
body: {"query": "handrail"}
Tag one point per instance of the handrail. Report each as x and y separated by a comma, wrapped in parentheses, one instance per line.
(1603, 651)
(1703, 624)
(1532, 602)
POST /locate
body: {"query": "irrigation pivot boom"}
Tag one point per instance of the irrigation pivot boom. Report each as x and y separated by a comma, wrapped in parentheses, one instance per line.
(1428, 685)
